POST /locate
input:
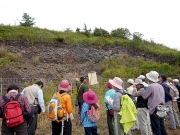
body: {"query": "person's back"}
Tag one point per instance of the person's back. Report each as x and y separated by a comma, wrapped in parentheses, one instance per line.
(23, 101)
(35, 97)
(110, 113)
(155, 95)
(64, 126)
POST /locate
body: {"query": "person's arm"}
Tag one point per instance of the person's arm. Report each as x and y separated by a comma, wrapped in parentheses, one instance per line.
(116, 103)
(138, 93)
(1, 104)
(41, 100)
(85, 107)
(68, 104)
(147, 93)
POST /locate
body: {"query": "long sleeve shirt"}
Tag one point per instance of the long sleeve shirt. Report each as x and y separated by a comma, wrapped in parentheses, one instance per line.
(81, 88)
(39, 98)
(84, 116)
(167, 92)
(155, 95)
(116, 106)
(109, 93)
(22, 100)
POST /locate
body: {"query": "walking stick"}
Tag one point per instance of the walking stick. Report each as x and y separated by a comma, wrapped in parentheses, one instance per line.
(62, 128)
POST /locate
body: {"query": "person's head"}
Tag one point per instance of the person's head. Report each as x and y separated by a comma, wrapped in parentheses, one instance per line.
(64, 86)
(130, 82)
(138, 83)
(162, 78)
(169, 79)
(142, 77)
(175, 81)
(90, 97)
(108, 85)
(152, 76)
(40, 84)
(83, 79)
(116, 83)
(12, 87)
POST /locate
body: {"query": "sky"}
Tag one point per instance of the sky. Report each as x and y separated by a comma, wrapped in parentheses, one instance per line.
(157, 20)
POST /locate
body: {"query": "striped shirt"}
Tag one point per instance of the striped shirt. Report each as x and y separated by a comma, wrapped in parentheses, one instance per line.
(84, 116)
(22, 100)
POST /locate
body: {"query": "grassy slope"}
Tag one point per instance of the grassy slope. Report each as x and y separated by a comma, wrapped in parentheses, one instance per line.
(36, 35)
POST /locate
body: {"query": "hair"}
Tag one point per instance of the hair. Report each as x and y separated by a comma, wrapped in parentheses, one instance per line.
(163, 77)
(108, 85)
(12, 87)
(39, 83)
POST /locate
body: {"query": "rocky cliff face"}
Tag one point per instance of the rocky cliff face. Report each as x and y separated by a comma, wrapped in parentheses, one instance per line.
(66, 60)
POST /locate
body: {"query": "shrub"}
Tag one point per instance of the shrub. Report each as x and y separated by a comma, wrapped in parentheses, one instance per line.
(36, 60)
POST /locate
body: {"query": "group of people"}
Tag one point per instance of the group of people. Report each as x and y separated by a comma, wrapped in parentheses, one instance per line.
(145, 97)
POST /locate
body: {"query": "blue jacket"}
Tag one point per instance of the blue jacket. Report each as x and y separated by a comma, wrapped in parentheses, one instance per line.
(84, 116)
(167, 91)
(110, 93)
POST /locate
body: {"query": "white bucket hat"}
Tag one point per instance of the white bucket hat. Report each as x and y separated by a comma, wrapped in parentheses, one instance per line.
(138, 81)
(153, 76)
(175, 80)
(131, 81)
(141, 77)
(116, 82)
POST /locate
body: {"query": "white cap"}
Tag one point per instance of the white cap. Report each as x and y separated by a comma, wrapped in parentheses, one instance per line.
(138, 81)
(141, 77)
(175, 80)
(131, 81)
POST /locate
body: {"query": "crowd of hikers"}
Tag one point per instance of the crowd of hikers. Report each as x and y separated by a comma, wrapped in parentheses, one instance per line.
(140, 106)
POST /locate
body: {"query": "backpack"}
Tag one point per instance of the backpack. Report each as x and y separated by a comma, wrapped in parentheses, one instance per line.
(56, 111)
(12, 111)
(131, 96)
(94, 112)
(173, 90)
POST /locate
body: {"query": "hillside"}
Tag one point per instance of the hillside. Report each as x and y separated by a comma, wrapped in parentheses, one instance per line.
(52, 54)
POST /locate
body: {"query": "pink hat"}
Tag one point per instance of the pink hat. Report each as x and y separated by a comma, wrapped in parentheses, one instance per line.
(116, 82)
(90, 97)
(64, 85)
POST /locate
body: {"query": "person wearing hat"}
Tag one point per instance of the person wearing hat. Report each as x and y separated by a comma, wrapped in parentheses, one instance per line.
(176, 83)
(110, 93)
(143, 113)
(90, 98)
(143, 78)
(155, 95)
(82, 87)
(64, 87)
(117, 83)
(172, 115)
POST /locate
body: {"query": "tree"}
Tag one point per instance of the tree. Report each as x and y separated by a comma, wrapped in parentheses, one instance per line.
(137, 36)
(121, 33)
(100, 32)
(27, 20)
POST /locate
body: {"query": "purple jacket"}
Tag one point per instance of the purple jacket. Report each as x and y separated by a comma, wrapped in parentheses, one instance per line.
(155, 95)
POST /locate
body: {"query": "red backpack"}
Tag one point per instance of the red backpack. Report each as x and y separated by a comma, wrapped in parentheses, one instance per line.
(94, 112)
(13, 112)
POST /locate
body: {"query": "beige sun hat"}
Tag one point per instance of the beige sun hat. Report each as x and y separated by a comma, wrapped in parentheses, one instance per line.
(175, 80)
(138, 81)
(131, 81)
(153, 76)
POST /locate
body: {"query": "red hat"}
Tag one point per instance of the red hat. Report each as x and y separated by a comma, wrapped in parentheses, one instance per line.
(64, 85)
(90, 97)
